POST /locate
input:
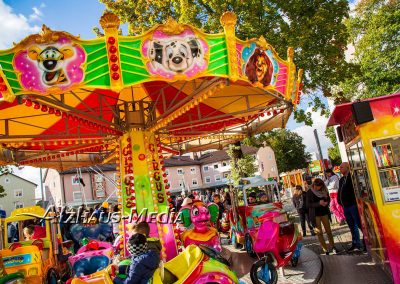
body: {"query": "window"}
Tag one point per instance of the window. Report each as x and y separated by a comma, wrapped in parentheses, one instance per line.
(99, 185)
(273, 169)
(218, 178)
(77, 196)
(7, 180)
(167, 172)
(181, 183)
(207, 179)
(179, 171)
(224, 164)
(270, 157)
(225, 175)
(19, 204)
(205, 168)
(18, 193)
(193, 171)
(75, 180)
(262, 166)
(387, 154)
(216, 166)
(194, 182)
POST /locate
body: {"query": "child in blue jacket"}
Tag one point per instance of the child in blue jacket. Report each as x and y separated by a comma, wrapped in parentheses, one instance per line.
(144, 261)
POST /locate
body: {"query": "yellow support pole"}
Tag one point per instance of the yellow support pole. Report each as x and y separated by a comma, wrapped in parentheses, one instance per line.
(228, 21)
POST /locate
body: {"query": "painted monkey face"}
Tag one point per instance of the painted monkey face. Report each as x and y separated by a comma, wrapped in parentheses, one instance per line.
(177, 55)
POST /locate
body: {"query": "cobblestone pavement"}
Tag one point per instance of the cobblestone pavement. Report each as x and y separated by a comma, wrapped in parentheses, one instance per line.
(315, 267)
(345, 267)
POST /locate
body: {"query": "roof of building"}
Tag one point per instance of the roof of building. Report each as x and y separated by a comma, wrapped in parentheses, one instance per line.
(176, 161)
(99, 168)
(19, 178)
(222, 155)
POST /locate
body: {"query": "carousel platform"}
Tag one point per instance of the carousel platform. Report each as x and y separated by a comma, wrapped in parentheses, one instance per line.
(308, 270)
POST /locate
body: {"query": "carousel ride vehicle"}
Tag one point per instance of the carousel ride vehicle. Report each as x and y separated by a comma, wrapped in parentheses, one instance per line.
(42, 259)
(67, 102)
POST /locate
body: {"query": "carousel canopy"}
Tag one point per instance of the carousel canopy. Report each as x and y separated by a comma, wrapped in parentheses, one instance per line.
(64, 101)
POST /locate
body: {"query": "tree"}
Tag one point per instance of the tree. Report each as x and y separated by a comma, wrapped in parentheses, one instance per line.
(241, 165)
(2, 192)
(333, 152)
(374, 32)
(315, 29)
(288, 147)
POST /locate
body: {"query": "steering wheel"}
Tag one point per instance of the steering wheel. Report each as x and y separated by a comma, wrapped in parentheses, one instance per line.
(212, 253)
(39, 243)
(14, 246)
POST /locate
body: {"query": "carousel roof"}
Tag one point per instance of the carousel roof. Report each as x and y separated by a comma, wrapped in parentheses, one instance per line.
(64, 101)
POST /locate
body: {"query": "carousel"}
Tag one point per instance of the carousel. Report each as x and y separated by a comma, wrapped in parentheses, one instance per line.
(66, 102)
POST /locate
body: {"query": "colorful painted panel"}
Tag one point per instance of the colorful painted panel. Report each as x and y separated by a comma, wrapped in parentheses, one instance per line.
(55, 67)
(181, 54)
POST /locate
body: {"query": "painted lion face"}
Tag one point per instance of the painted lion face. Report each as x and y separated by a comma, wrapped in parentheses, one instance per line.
(261, 68)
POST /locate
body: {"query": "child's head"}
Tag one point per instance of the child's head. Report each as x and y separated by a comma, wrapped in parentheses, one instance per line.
(216, 198)
(137, 244)
(142, 228)
(252, 198)
(263, 197)
(28, 232)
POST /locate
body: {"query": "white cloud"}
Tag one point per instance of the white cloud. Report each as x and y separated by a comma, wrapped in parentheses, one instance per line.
(36, 14)
(307, 132)
(14, 27)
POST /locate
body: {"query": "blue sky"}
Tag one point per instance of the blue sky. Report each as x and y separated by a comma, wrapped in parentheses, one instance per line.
(19, 18)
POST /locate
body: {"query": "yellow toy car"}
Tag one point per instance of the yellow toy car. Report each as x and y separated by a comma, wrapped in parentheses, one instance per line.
(40, 260)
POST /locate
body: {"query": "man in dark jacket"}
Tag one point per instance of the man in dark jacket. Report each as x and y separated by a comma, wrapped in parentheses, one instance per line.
(347, 199)
(144, 262)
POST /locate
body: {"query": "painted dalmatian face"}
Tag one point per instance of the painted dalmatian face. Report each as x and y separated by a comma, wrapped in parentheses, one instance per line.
(177, 55)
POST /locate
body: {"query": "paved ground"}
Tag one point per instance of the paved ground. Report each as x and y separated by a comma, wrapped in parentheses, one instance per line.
(315, 267)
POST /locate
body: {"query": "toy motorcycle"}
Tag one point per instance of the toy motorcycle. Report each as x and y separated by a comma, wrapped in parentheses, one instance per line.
(278, 244)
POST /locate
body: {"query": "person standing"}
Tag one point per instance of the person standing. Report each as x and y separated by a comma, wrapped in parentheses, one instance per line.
(332, 183)
(318, 205)
(347, 199)
(299, 202)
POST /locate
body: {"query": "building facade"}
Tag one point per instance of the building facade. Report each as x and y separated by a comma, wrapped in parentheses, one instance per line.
(19, 193)
(266, 162)
(184, 174)
(89, 186)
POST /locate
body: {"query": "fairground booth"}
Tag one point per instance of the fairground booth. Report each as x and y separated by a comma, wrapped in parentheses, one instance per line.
(371, 131)
(66, 102)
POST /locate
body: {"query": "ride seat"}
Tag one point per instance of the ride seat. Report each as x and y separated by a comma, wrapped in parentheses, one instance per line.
(180, 267)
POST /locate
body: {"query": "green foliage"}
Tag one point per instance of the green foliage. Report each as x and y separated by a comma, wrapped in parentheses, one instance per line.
(374, 32)
(333, 152)
(334, 155)
(315, 29)
(331, 135)
(2, 192)
(241, 165)
(290, 153)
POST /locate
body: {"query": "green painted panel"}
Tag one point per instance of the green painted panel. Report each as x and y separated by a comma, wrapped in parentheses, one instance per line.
(218, 57)
(132, 54)
(131, 79)
(101, 81)
(92, 77)
(92, 47)
(132, 44)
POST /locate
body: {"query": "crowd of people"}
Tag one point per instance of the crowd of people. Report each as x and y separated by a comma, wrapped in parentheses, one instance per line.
(315, 202)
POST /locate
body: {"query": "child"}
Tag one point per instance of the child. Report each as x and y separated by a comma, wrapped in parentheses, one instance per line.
(144, 262)
(262, 196)
(28, 232)
(143, 228)
(217, 200)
